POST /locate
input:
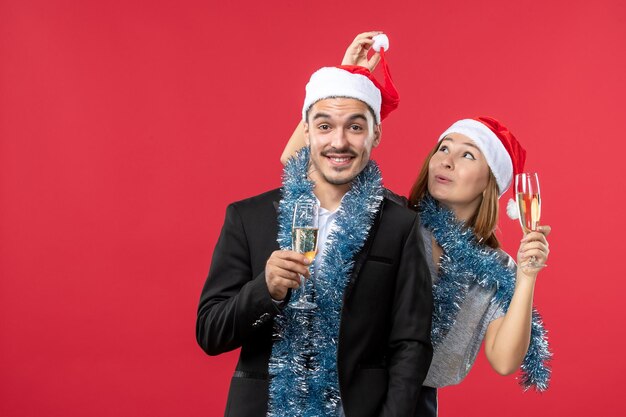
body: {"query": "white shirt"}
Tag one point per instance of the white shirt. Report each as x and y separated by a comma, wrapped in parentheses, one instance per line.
(326, 224)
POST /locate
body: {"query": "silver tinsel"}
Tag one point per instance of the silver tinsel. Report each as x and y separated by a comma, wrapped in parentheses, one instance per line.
(303, 363)
(467, 262)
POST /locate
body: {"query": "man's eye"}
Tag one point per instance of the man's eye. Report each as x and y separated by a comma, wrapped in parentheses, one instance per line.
(356, 128)
(323, 127)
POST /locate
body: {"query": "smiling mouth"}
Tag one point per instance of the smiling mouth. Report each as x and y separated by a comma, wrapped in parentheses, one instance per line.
(339, 160)
(344, 159)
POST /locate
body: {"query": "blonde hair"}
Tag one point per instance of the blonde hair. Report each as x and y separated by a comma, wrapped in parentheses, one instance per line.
(483, 222)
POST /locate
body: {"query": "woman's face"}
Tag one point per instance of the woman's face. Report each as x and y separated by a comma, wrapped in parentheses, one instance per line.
(458, 174)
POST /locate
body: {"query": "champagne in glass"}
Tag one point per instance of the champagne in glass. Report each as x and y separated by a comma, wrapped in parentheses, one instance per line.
(529, 202)
(530, 210)
(304, 240)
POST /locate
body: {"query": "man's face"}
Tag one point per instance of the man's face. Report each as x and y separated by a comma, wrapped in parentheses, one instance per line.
(341, 133)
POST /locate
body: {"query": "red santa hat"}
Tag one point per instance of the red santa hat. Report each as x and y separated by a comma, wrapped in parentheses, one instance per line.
(352, 81)
(504, 154)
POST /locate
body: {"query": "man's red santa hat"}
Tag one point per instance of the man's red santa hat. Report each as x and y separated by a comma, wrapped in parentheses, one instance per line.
(352, 81)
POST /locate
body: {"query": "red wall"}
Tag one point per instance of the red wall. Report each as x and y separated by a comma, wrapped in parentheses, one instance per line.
(126, 127)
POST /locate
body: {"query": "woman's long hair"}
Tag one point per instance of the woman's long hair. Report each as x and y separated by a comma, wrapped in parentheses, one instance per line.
(484, 220)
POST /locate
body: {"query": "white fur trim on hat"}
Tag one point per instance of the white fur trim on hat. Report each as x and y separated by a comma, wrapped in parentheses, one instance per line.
(512, 209)
(380, 41)
(335, 82)
(490, 145)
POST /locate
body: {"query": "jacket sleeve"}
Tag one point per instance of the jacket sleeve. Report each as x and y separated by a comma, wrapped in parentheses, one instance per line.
(410, 349)
(234, 304)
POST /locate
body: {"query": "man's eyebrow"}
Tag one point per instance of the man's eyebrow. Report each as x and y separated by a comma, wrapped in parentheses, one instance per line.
(321, 116)
(350, 118)
(358, 116)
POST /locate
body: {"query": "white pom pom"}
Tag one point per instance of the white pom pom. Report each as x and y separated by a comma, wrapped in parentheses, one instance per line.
(381, 41)
(512, 209)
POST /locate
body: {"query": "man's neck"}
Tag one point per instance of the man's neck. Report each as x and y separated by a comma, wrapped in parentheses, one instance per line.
(330, 195)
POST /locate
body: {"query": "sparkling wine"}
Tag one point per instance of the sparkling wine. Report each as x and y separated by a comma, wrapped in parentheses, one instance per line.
(530, 210)
(305, 241)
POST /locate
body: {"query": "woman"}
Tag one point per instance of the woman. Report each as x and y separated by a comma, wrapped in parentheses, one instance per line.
(479, 292)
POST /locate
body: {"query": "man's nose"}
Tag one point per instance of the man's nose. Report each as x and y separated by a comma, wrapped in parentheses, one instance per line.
(339, 139)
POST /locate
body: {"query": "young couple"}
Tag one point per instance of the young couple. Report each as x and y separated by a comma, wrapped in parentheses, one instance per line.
(367, 349)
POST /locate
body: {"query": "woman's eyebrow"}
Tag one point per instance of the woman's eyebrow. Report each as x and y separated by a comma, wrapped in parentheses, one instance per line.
(472, 144)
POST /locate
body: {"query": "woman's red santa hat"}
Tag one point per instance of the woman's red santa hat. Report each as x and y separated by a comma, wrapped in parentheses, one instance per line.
(504, 154)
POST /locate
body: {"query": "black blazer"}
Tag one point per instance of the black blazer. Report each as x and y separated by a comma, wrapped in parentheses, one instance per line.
(384, 346)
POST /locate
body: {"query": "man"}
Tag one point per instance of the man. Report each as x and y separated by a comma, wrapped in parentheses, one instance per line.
(365, 350)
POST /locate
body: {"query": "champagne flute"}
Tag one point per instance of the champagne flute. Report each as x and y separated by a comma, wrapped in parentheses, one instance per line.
(304, 240)
(529, 203)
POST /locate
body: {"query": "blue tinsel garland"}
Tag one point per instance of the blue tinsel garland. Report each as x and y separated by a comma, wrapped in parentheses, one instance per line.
(303, 363)
(465, 262)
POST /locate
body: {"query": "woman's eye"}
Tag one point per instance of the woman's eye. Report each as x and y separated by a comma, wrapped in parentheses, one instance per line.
(468, 155)
(443, 149)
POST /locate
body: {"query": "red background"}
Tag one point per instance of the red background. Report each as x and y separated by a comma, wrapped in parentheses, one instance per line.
(126, 127)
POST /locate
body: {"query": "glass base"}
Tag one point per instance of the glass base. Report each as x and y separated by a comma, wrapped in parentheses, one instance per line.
(532, 264)
(303, 305)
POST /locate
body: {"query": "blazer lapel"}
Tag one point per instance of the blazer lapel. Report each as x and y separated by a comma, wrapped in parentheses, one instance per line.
(363, 254)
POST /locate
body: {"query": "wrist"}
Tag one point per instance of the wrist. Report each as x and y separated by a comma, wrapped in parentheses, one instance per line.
(526, 279)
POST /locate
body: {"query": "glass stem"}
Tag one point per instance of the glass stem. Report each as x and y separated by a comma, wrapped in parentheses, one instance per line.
(302, 293)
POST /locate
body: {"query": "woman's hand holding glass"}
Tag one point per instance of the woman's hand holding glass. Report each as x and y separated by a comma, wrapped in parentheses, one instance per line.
(534, 249)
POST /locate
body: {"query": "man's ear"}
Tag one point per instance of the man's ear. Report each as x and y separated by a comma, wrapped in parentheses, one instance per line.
(307, 142)
(378, 132)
